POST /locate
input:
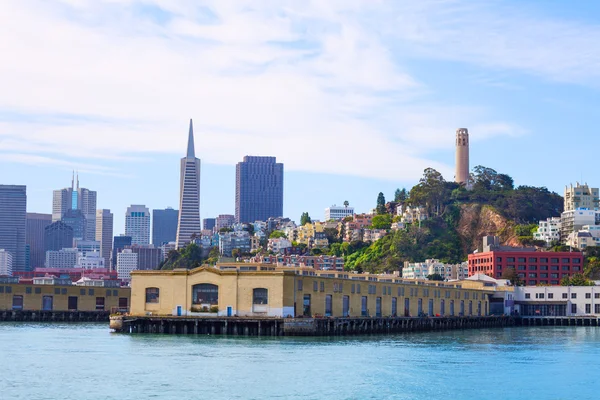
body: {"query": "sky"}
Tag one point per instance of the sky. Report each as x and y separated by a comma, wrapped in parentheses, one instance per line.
(354, 97)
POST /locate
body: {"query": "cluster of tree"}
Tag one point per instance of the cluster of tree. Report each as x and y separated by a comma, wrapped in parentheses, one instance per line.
(189, 257)
(304, 219)
(576, 280)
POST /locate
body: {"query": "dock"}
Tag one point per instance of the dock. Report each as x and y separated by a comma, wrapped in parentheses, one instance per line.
(53, 316)
(558, 321)
(239, 326)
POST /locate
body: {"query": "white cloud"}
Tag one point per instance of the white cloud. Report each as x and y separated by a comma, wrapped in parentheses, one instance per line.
(314, 83)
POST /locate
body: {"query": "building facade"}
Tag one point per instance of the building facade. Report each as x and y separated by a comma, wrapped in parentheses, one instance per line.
(64, 258)
(78, 222)
(119, 243)
(35, 237)
(91, 261)
(574, 220)
(580, 196)
(104, 232)
(164, 226)
(208, 224)
(264, 290)
(76, 198)
(58, 236)
(338, 212)
(6, 263)
(13, 223)
(189, 195)
(548, 230)
(137, 224)
(553, 301)
(462, 156)
(148, 256)
(430, 267)
(533, 267)
(234, 241)
(224, 221)
(258, 189)
(127, 261)
(86, 247)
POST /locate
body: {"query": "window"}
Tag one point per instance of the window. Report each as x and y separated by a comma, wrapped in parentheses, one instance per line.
(573, 308)
(597, 295)
(565, 260)
(28, 290)
(384, 290)
(90, 292)
(588, 308)
(573, 295)
(521, 259)
(322, 286)
(576, 261)
(328, 305)
(543, 260)
(533, 268)
(17, 303)
(1, 289)
(554, 268)
(99, 303)
(315, 286)
(532, 260)
(394, 306)
(9, 289)
(550, 295)
(521, 268)
(554, 260)
(300, 285)
(527, 295)
(260, 296)
(565, 296)
(588, 295)
(352, 288)
(364, 311)
(565, 267)
(358, 288)
(510, 259)
(205, 293)
(123, 302)
(543, 275)
(115, 292)
(56, 290)
(152, 295)
(38, 290)
(543, 268)
(82, 292)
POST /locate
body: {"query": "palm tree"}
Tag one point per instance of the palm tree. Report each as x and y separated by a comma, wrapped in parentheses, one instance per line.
(346, 203)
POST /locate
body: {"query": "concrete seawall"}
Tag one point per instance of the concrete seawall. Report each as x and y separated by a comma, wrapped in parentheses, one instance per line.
(300, 326)
(54, 316)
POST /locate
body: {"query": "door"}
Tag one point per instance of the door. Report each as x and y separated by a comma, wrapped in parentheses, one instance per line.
(394, 307)
(479, 309)
(407, 307)
(47, 303)
(442, 307)
(452, 308)
(17, 303)
(470, 308)
(306, 306)
(123, 303)
(72, 303)
(179, 308)
(364, 311)
(420, 307)
(99, 303)
(346, 306)
(430, 308)
(229, 311)
(378, 307)
(462, 308)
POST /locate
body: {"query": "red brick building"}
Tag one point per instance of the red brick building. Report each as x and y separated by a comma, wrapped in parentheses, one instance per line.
(534, 267)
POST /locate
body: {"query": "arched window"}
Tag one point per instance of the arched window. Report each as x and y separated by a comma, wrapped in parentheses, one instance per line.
(152, 294)
(260, 296)
(205, 293)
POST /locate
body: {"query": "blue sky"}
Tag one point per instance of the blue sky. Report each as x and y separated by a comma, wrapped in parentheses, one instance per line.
(354, 97)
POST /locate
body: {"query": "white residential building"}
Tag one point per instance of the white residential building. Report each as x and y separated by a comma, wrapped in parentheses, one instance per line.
(373, 235)
(432, 266)
(580, 196)
(338, 212)
(575, 220)
(541, 301)
(548, 230)
(410, 215)
(65, 258)
(91, 261)
(278, 245)
(6, 263)
(137, 224)
(127, 261)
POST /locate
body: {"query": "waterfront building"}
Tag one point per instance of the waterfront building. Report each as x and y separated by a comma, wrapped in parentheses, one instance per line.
(104, 232)
(548, 231)
(431, 266)
(224, 221)
(76, 198)
(234, 240)
(127, 261)
(6, 263)
(13, 223)
(74, 274)
(58, 236)
(581, 196)
(189, 195)
(64, 258)
(164, 226)
(338, 212)
(54, 294)
(34, 238)
(278, 245)
(258, 189)
(575, 220)
(253, 290)
(208, 224)
(533, 267)
(556, 301)
(119, 243)
(462, 157)
(148, 256)
(137, 224)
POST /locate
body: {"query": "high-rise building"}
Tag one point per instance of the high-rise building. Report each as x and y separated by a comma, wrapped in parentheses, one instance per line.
(119, 243)
(65, 258)
(208, 224)
(35, 237)
(164, 226)
(148, 256)
(137, 224)
(258, 189)
(13, 223)
(76, 198)
(224, 221)
(462, 156)
(6, 263)
(76, 220)
(86, 247)
(189, 195)
(127, 261)
(58, 236)
(104, 232)
(580, 196)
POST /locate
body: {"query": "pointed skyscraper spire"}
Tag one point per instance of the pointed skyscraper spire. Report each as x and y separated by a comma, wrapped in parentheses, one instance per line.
(190, 148)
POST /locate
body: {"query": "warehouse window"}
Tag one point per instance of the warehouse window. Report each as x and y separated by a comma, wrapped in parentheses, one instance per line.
(152, 295)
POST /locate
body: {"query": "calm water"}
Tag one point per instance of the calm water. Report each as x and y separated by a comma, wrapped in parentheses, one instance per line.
(88, 362)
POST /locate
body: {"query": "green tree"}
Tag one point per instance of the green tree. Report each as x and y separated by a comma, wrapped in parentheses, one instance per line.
(576, 280)
(346, 203)
(315, 251)
(277, 235)
(305, 219)
(435, 277)
(383, 221)
(512, 276)
(235, 253)
(380, 203)
(400, 195)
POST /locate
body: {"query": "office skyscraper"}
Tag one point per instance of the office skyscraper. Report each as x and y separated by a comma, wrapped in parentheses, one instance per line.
(137, 224)
(258, 189)
(104, 233)
(57, 236)
(209, 223)
(119, 243)
(76, 198)
(189, 194)
(35, 238)
(164, 226)
(13, 223)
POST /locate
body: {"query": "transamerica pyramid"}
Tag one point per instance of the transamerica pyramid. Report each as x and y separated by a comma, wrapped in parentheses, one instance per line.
(189, 195)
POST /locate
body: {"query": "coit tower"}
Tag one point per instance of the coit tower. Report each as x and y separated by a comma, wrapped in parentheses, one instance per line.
(462, 156)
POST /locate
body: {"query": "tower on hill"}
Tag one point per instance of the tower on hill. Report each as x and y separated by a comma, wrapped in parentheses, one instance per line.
(462, 156)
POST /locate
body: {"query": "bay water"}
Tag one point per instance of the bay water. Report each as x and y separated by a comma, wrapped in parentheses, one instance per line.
(87, 361)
